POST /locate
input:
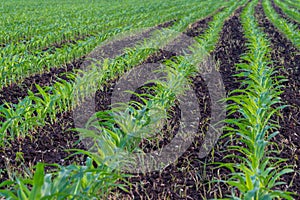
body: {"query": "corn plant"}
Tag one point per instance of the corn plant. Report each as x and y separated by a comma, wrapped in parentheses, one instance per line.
(291, 12)
(122, 129)
(20, 119)
(49, 101)
(289, 30)
(71, 182)
(257, 172)
(292, 4)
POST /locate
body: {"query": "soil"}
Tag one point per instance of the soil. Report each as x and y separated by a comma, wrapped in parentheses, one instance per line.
(199, 27)
(288, 56)
(47, 146)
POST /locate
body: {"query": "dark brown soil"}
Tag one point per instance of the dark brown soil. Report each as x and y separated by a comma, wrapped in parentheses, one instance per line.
(47, 144)
(167, 24)
(284, 16)
(286, 55)
(16, 92)
(199, 27)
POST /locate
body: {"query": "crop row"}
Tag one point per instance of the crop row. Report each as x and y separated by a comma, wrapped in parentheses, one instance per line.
(291, 12)
(256, 171)
(76, 31)
(288, 29)
(293, 4)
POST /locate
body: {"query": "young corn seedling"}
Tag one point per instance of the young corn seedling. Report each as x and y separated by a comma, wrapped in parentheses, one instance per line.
(46, 102)
(20, 119)
(71, 182)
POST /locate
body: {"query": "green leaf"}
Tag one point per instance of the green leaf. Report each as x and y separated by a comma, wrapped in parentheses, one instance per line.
(38, 181)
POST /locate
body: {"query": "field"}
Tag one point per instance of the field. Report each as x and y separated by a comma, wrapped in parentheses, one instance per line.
(135, 99)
